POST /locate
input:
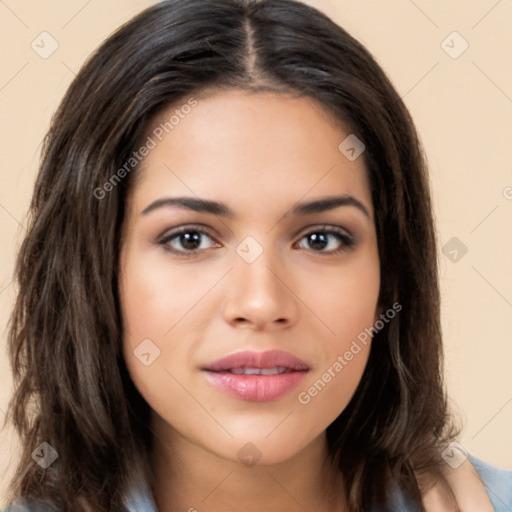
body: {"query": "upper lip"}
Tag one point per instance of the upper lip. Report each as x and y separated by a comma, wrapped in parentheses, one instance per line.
(262, 360)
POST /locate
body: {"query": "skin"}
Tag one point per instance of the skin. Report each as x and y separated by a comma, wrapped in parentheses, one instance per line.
(259, 154)
(467, 487)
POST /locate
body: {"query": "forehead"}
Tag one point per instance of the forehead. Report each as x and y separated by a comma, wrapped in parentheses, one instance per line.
(248, 150)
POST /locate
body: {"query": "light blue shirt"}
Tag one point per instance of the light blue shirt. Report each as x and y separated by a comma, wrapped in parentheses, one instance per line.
(498, 483)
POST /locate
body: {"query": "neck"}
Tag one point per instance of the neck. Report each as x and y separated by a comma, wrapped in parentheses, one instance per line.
(190, 478)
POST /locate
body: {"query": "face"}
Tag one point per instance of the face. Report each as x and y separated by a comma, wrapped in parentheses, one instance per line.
(243, 292)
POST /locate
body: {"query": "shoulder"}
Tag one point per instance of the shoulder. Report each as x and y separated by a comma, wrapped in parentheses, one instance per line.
(475, 482)
(25, 506)
(138, 499)
(497, 482)
(477, 487)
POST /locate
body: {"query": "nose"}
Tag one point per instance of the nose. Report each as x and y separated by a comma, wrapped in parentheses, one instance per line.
(260, 296)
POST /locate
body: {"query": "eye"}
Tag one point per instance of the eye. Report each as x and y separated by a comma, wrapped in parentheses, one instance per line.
(327, 241)
(187, 240)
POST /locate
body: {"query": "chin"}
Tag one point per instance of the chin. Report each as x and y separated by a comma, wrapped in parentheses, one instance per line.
(254, 445)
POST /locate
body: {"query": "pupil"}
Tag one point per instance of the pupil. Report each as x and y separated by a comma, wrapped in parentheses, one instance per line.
(318, 240)
(191, 241)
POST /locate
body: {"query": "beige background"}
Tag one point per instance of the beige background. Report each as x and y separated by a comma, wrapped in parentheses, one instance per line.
(462, 107)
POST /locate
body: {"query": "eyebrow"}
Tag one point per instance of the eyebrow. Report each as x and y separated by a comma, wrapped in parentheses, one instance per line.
(216, 208)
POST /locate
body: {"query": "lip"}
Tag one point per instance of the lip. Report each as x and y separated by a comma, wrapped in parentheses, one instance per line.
(256, 388)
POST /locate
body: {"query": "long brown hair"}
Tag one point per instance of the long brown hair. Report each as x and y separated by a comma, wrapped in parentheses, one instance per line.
(72, 389)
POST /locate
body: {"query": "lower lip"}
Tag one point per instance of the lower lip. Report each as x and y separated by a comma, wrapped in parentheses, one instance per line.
(256, 388)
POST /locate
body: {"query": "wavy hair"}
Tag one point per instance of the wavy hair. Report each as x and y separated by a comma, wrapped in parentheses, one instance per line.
(72, 388)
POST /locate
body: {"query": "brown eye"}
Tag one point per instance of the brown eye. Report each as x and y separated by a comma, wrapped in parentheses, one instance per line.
(326, 241)
(187, 240)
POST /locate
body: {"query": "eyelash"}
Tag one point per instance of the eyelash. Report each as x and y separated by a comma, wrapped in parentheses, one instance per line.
(347, 242)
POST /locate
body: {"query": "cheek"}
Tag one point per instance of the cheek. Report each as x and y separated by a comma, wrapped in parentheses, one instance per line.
(348, 309)
(336, 377)
(344, 299)
(153, 296)
(144, 300)
(156, 300)
(327, 395)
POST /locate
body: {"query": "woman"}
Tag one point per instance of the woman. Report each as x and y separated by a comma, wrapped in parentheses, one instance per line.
(228, 292)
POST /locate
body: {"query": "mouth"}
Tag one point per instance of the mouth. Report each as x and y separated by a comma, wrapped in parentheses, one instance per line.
(257, 376)
(278, 370)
